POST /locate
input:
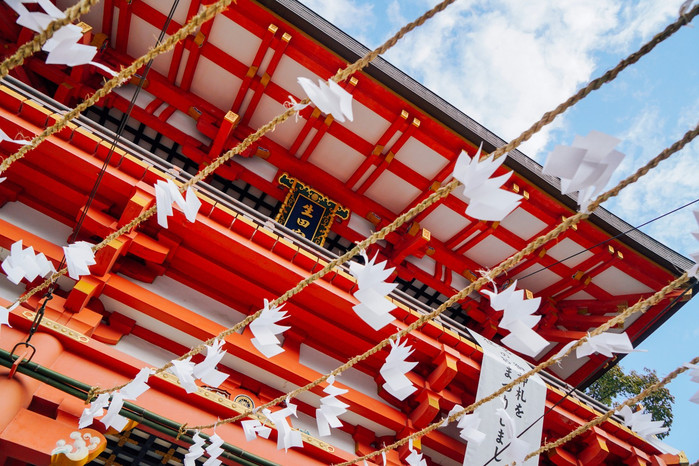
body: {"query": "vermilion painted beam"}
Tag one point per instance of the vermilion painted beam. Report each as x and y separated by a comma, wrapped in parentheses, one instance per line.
(252, 70)
(279, 46)
(398, 124)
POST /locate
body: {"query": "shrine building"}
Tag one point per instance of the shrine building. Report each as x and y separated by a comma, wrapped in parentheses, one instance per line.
(296, 199)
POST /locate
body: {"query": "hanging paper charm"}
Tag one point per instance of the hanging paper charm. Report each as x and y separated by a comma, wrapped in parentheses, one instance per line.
(206, 370)
(287, 436)
(166, 193)
(37, 21)
(79, 256)
(214, 450)
(252, 428)
(131, 391)
(518, 318)
(414, 458)
(373, 307)
(95, 409)
(694, 270)
(184, 371)
(468, 425)
(329, 97)
(394, 369)
(694, 376)
(265, 330)
(606, 344)
(330, 408)
(23, 263)
(187, 372)
(64, 48)
(5, 137)
(642, 423)
(196, 450)
(586, 166)
(5, 315)
(486, 200)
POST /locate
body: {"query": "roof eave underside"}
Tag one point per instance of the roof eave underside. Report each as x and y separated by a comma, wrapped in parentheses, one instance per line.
(349, 49)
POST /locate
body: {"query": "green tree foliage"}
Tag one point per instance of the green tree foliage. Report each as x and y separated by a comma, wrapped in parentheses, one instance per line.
(616, 386)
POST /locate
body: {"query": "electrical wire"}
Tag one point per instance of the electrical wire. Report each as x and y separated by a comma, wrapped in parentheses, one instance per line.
(584, 381)
(93, 193)
(601, 243)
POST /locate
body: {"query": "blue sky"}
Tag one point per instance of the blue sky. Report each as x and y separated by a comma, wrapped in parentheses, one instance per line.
(506, 62)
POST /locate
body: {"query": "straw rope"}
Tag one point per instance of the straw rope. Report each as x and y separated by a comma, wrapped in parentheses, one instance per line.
(502, 267)
(28, 49)
(432, 199)
(641, 306)
(125, 74)
(598, 420)
(443, 191)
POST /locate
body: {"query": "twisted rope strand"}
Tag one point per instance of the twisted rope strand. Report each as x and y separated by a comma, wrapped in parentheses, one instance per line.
(641, 306)
(117, 80)
(27, 49)
(598, 420)
(502, 267)
(432, 199)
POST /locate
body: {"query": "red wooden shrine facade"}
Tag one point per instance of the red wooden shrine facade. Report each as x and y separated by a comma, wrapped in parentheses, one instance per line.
(156, 292)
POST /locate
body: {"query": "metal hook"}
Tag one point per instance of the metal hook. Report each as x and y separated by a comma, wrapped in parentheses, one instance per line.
(21, 357)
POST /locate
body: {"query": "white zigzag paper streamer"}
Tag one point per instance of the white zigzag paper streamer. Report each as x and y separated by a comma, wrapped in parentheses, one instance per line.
(252, 428)
(287, 436)
(607, 344)
(95, 409)
(187, 372)
(642, 423)
(5, 137)
(330, 408)
(37, 21)
(64, 47)
(265, 330)
(79, 258)
(166, 193)
(373, 307)
(394, 369)
(113, 418)
(184, 371)
(694, 270)
(518, 319)
(486, 199)
(131, 391)
(329, 97)
(414, 458)
(586, 166)
(694, 376)
(214, 450)
(196, 450)
(206, 370)
(23, 263)
(468, 425)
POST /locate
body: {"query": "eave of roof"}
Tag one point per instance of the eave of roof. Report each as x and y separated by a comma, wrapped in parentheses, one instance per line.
(384, 72)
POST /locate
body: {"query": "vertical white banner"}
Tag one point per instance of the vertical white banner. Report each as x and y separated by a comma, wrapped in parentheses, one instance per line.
(524, 403)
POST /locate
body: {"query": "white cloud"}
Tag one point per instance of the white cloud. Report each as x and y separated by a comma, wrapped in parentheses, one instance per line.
(352, 16)
(506, 62)
(671, 184)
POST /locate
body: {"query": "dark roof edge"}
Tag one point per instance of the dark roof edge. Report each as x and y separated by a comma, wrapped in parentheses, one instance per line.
(349, 49)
